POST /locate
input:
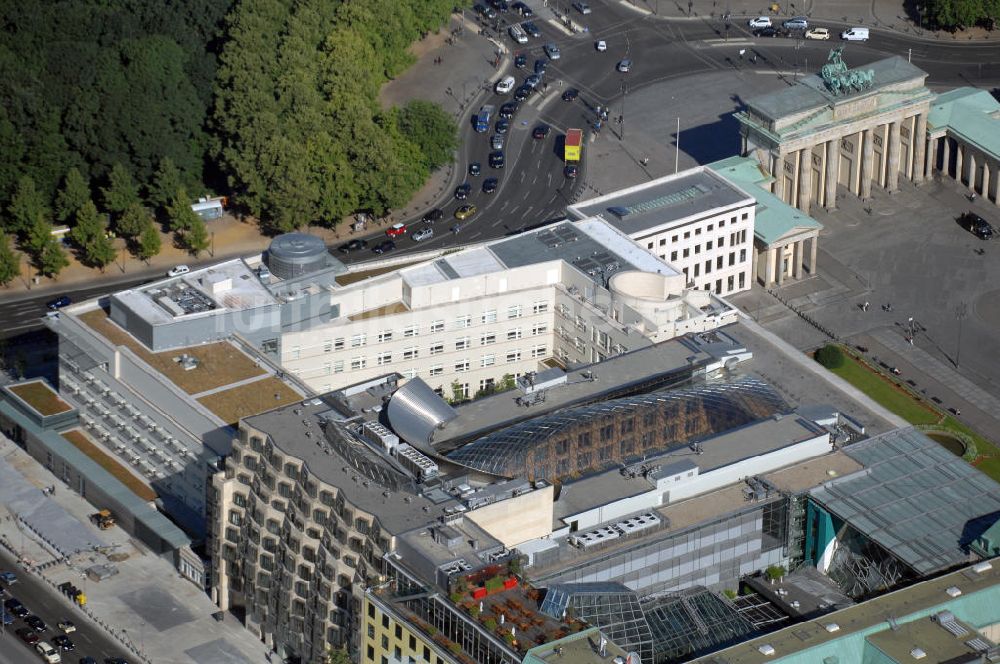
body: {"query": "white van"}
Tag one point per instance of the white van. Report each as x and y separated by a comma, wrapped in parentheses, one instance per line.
(505, 85)
(517, 34)
(855, 34)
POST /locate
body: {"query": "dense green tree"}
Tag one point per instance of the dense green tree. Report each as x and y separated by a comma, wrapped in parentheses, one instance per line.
(132, 222)
(196, 238)
(180, 216)
(10, 261)
(73, 195)
(149, 243)
(339, 656)
(167, 181)
(27, 205)
(830, 356)
(36, 236)
(91, 236)
(52, 258)
(961, 13)
(431, 129)
(121, 191)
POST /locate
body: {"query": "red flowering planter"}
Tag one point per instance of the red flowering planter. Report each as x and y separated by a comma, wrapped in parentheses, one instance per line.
(479, 593)
(510, 583)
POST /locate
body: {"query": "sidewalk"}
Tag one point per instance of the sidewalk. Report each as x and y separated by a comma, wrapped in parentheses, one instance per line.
(147, 606)
(888, 15)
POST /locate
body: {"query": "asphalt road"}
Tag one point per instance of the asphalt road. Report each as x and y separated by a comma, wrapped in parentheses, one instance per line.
(532, 188)
(44, 602)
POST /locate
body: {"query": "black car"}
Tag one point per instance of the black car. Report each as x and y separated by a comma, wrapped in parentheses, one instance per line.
(976, 225)
(570, 94)
(770, 31)
(522, 9)
(384, 246)
(475, 169)
(59, 302)
(540, 132)
(502, 126)
(462, 191)
(36, 623)
(522, 93)
(434, 215)
(63, 642)
(500, 5)
(496, 159)
(533, 81)
(508, 110)
(571, 171)
(490, 185)
(531, 29)
(28, 636)
(540, 66)
(14, 606)
(115, 660)
(87, 660)
(353, 245)
(520, 61)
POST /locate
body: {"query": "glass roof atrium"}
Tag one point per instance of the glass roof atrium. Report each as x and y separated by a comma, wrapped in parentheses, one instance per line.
(694, 621)
(606, 434)
(611, 606)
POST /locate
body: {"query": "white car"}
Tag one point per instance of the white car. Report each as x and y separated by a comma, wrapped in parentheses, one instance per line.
(760, 22)
(505, 85)
(601, 46)
(624, 66)
(67, 626)
(817, 33)
(552, 51)
(48, 653)
(178, 271)
(582, 7)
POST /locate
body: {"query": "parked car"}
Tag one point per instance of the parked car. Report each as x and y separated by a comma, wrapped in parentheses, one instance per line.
(540, 132)
(423, 234)
(531, 29)
(87, 660)
(36, 623)
(490, 185)
(63, 642)
(571, 171)
(27, 635)
(582, 7)
(976, 225)
(59, 302)
(384, 246)
(8, 577)
(541, 66)
(178, 270)
(571, 94)
(352, 245)
(502, 126)
(48, 653)
(496, 142)
(552, 51)
(465, 212)
(475, 168)
(6, 617)
(14, 606)
(625, 66)
(396, 230)
(522, 9)
(817, 33)
(67, 626)
(601, 45)
(500, 5)
(522, 93)
(462, 191)
(520, 61)
(796, 23)
(504, 85)
(508, 110)
(760, 22)
(434, 215)
(533, 81)
(496, 159)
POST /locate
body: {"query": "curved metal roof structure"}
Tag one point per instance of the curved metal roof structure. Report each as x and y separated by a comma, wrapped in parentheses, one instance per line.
(603, 435)
(415, 411)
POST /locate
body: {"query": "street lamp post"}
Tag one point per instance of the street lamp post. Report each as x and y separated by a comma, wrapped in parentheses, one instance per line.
(961, 311)
(211, 249)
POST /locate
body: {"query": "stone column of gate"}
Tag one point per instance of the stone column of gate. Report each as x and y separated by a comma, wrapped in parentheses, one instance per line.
(805, 178)
(931, 157)
(919, 138)
(985, 193)
(867, 160)
(892, 176)
(769, 267)
(754, 259)
(778, 171)
(797, 255)
(812, 253)
(972, 170)
(959, 156)
(946, 156)
(832, 172)
(779, 265)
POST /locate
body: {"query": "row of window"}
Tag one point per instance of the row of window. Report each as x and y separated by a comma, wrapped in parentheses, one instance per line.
(383, 359)
(734, 238)
(731, 282)
(461, 322)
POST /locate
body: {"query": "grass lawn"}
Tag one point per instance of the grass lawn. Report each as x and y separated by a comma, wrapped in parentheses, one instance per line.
(900, 401)
(110, 464)
(249, 399)
(219, 363)
(886, 393)
(41, 397)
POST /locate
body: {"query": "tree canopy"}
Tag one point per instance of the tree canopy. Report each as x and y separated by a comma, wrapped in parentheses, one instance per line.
(962, 13)
(300, 132)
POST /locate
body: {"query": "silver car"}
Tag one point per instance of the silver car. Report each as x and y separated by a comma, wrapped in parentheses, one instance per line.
(497, 142)
(797, 23)
(552, 51)
(423, 234)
